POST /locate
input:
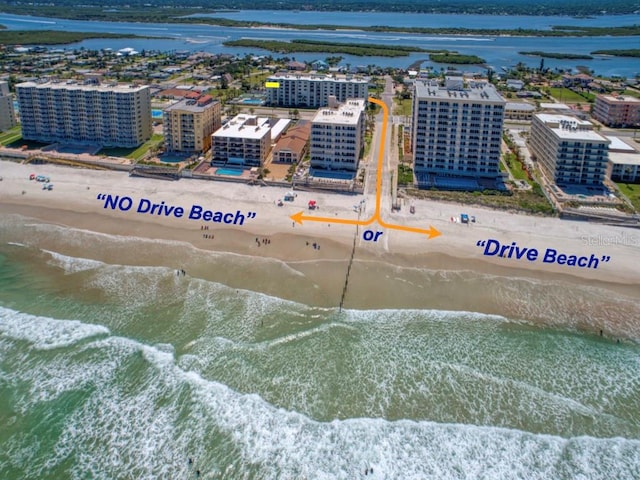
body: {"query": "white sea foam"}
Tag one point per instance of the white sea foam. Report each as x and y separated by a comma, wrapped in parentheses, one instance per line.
(45, 333)
(148, 427)
(72, 264)
(410, 315)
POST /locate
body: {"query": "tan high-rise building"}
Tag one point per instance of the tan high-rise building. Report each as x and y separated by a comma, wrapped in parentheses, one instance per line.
(189, 123)
(68, 112)
(7, 114)
(617, 111)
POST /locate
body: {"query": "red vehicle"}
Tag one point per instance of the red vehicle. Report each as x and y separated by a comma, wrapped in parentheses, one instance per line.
(32, 176)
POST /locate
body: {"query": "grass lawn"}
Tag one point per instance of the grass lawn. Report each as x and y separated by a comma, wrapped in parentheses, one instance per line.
(12, 135)
(402, 107)
(133, 153)
(566, 95)
(632, 191)
(405, 175)
(515, 166)
(368, 137)
(631, 93)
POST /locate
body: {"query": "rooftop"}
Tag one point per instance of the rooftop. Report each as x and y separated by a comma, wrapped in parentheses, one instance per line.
(476, 91)
(570, 128)
(524, 107)
(554, 106)
(71, 85)
(345, 114)
(192, 105)
(618, 158)
(245, 126)
(620, 98)
(318, 78)
(617, 144)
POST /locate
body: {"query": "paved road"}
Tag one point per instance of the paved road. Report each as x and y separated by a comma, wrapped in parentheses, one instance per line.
(389, 163)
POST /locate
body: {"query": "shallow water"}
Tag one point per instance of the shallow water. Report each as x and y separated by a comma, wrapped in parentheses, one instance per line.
(112, 370)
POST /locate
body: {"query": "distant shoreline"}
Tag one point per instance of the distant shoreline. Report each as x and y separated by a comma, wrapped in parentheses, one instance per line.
(55, 37)
(182, 17)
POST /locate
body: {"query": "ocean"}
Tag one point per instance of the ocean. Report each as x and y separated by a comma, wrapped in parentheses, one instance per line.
(116, 366)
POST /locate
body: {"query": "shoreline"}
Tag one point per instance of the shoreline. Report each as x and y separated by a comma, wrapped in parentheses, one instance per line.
(402, 271)
(75, 192)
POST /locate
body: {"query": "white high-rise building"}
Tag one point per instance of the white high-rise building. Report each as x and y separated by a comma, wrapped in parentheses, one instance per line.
(7, 113)
(68, 112)
(244, 141)
(313, 91)
(337, 136)
(568, 149)
(456, 134)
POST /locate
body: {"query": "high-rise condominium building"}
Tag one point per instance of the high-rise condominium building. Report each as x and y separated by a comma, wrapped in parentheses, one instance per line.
(68, 112)
(337, 136)
(313, 91)
(456, 133)
(189, 123)
(244, 141)
(568, 149)
(7, 114)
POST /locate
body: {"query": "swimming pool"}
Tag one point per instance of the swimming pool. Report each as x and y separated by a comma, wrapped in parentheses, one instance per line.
(252, 101)
(156, 113)
(234, 172)
(168, 158)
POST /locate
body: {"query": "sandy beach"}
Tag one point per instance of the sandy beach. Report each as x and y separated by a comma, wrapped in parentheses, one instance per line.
(271, 254)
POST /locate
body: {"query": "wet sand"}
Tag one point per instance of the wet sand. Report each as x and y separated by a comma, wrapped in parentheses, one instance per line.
(402, 270)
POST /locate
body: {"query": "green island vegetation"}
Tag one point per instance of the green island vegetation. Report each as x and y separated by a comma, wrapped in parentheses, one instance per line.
(456, 58)
(576, 8)
(53, 37)
(298, 46)
(632, 192)
(164, 11)
(631, 52)
(568, 56)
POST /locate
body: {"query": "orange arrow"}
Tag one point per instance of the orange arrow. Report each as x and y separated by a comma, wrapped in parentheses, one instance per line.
(431, 232)
(300, 216)
(385, 118)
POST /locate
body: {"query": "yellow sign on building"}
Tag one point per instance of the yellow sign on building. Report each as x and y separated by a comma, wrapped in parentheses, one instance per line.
(272, 84)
